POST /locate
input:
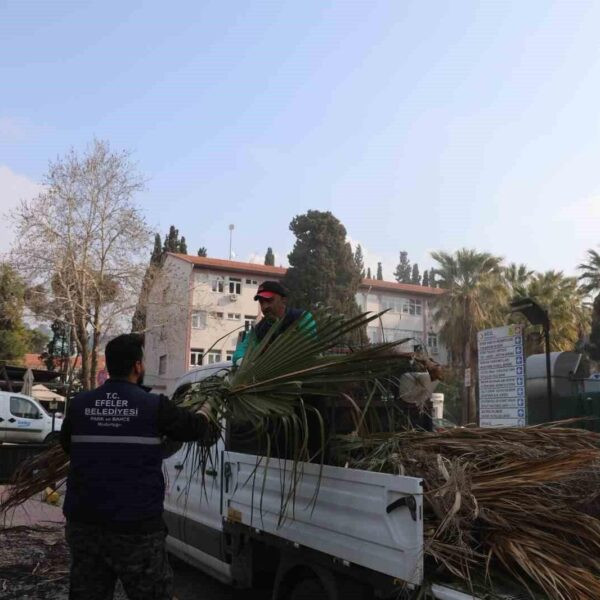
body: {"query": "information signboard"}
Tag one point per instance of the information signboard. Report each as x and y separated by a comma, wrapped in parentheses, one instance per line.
(502, 400)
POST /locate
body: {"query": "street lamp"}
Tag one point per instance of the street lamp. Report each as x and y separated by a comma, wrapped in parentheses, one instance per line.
(537, 315)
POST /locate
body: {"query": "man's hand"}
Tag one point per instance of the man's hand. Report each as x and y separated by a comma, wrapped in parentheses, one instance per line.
(213, 430)
(206, 411)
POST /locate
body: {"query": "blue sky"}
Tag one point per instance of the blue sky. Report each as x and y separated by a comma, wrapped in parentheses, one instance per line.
(420, 125)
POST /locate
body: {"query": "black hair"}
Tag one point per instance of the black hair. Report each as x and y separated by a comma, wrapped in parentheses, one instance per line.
(122, 353)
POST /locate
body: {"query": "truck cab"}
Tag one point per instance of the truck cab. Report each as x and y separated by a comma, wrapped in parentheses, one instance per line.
(24, 420)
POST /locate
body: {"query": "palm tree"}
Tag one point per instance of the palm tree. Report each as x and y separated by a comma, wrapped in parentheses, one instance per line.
(517, 277)
(568, 312)
(590, 272)
(591, 276)
(476, 299)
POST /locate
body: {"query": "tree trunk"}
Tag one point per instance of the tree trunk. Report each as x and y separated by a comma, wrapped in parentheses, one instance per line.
(466, 403)
(82, 341)
(71, 374)
(95, 344)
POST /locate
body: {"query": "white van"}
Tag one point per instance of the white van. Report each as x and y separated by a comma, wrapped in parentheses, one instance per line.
(24, 420)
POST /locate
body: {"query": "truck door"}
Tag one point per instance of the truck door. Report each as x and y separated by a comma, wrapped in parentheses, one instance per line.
(24, 421)
(193, 500)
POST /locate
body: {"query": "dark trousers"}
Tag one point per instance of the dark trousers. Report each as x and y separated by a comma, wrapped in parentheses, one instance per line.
(100, 557)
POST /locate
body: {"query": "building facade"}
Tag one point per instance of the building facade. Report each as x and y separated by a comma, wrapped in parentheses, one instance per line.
(198, 306)
(410, 315)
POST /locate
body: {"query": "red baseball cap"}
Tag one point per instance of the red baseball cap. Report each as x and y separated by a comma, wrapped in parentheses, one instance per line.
(268, 289)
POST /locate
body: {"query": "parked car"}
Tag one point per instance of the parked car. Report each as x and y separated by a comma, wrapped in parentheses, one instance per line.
(24, 420)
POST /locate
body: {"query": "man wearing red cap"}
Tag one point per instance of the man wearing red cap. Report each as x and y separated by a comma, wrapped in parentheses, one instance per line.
(272, 297)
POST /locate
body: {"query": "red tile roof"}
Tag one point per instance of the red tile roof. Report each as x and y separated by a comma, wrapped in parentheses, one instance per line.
(232, 265)
(258, 269)
(409, 288)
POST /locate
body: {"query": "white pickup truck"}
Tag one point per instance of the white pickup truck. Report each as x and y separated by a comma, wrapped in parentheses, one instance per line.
(362, 538)
(24, 420)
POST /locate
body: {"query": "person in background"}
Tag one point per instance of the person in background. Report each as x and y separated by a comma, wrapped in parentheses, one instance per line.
(273, 297)
(115, 488)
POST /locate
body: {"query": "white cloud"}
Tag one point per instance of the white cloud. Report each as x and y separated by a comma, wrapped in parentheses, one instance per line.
(13, 189)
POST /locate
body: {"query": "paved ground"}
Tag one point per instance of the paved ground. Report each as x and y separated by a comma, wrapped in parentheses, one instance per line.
(34, 561)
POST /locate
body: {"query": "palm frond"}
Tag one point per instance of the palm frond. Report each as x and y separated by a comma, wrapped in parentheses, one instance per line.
(520, 500)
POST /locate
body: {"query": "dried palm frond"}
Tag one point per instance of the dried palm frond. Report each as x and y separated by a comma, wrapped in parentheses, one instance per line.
(33, 476)
(524, 500)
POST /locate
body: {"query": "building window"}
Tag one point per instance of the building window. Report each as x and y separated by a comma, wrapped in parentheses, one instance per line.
(391, 303)
(196, 355)
(234, 316)
(212, 357)
(251, 282)
(432, 343)
(412, 307)
(249, 321)
(218, 285)
(162, 364)
(235, 285)
(415, 307)
(199, 319)
(228, 355)
(216, 315)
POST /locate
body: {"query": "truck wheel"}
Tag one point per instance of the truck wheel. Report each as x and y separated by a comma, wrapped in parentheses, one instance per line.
(309, 589)
(52, 438)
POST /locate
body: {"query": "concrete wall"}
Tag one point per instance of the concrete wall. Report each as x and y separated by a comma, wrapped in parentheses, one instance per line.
(168, 324)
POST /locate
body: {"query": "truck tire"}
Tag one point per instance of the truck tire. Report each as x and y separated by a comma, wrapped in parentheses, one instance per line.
(309, 588)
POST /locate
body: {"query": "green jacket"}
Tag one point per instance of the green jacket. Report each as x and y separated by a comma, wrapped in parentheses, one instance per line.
(257, 333)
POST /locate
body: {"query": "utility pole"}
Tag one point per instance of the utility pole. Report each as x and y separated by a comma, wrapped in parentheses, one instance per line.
(231, 228)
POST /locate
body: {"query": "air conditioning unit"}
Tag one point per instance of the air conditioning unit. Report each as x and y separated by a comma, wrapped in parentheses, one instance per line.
(233, 297)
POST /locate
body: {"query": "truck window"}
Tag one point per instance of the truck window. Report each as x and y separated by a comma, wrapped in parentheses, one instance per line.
(23, 408)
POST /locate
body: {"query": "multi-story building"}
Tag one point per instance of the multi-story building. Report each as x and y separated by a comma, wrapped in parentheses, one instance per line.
(410, 315)
(198, 306)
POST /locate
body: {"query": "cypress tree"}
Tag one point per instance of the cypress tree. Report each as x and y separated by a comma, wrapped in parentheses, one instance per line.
(202, 251)
(415, 277)
(270, 257)
(425, 281)
(379, 272)
(358, 259)
(157, 252)
(432, 281)
(369, 273)
(171, 240)
(322, 269)
(403, 271)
